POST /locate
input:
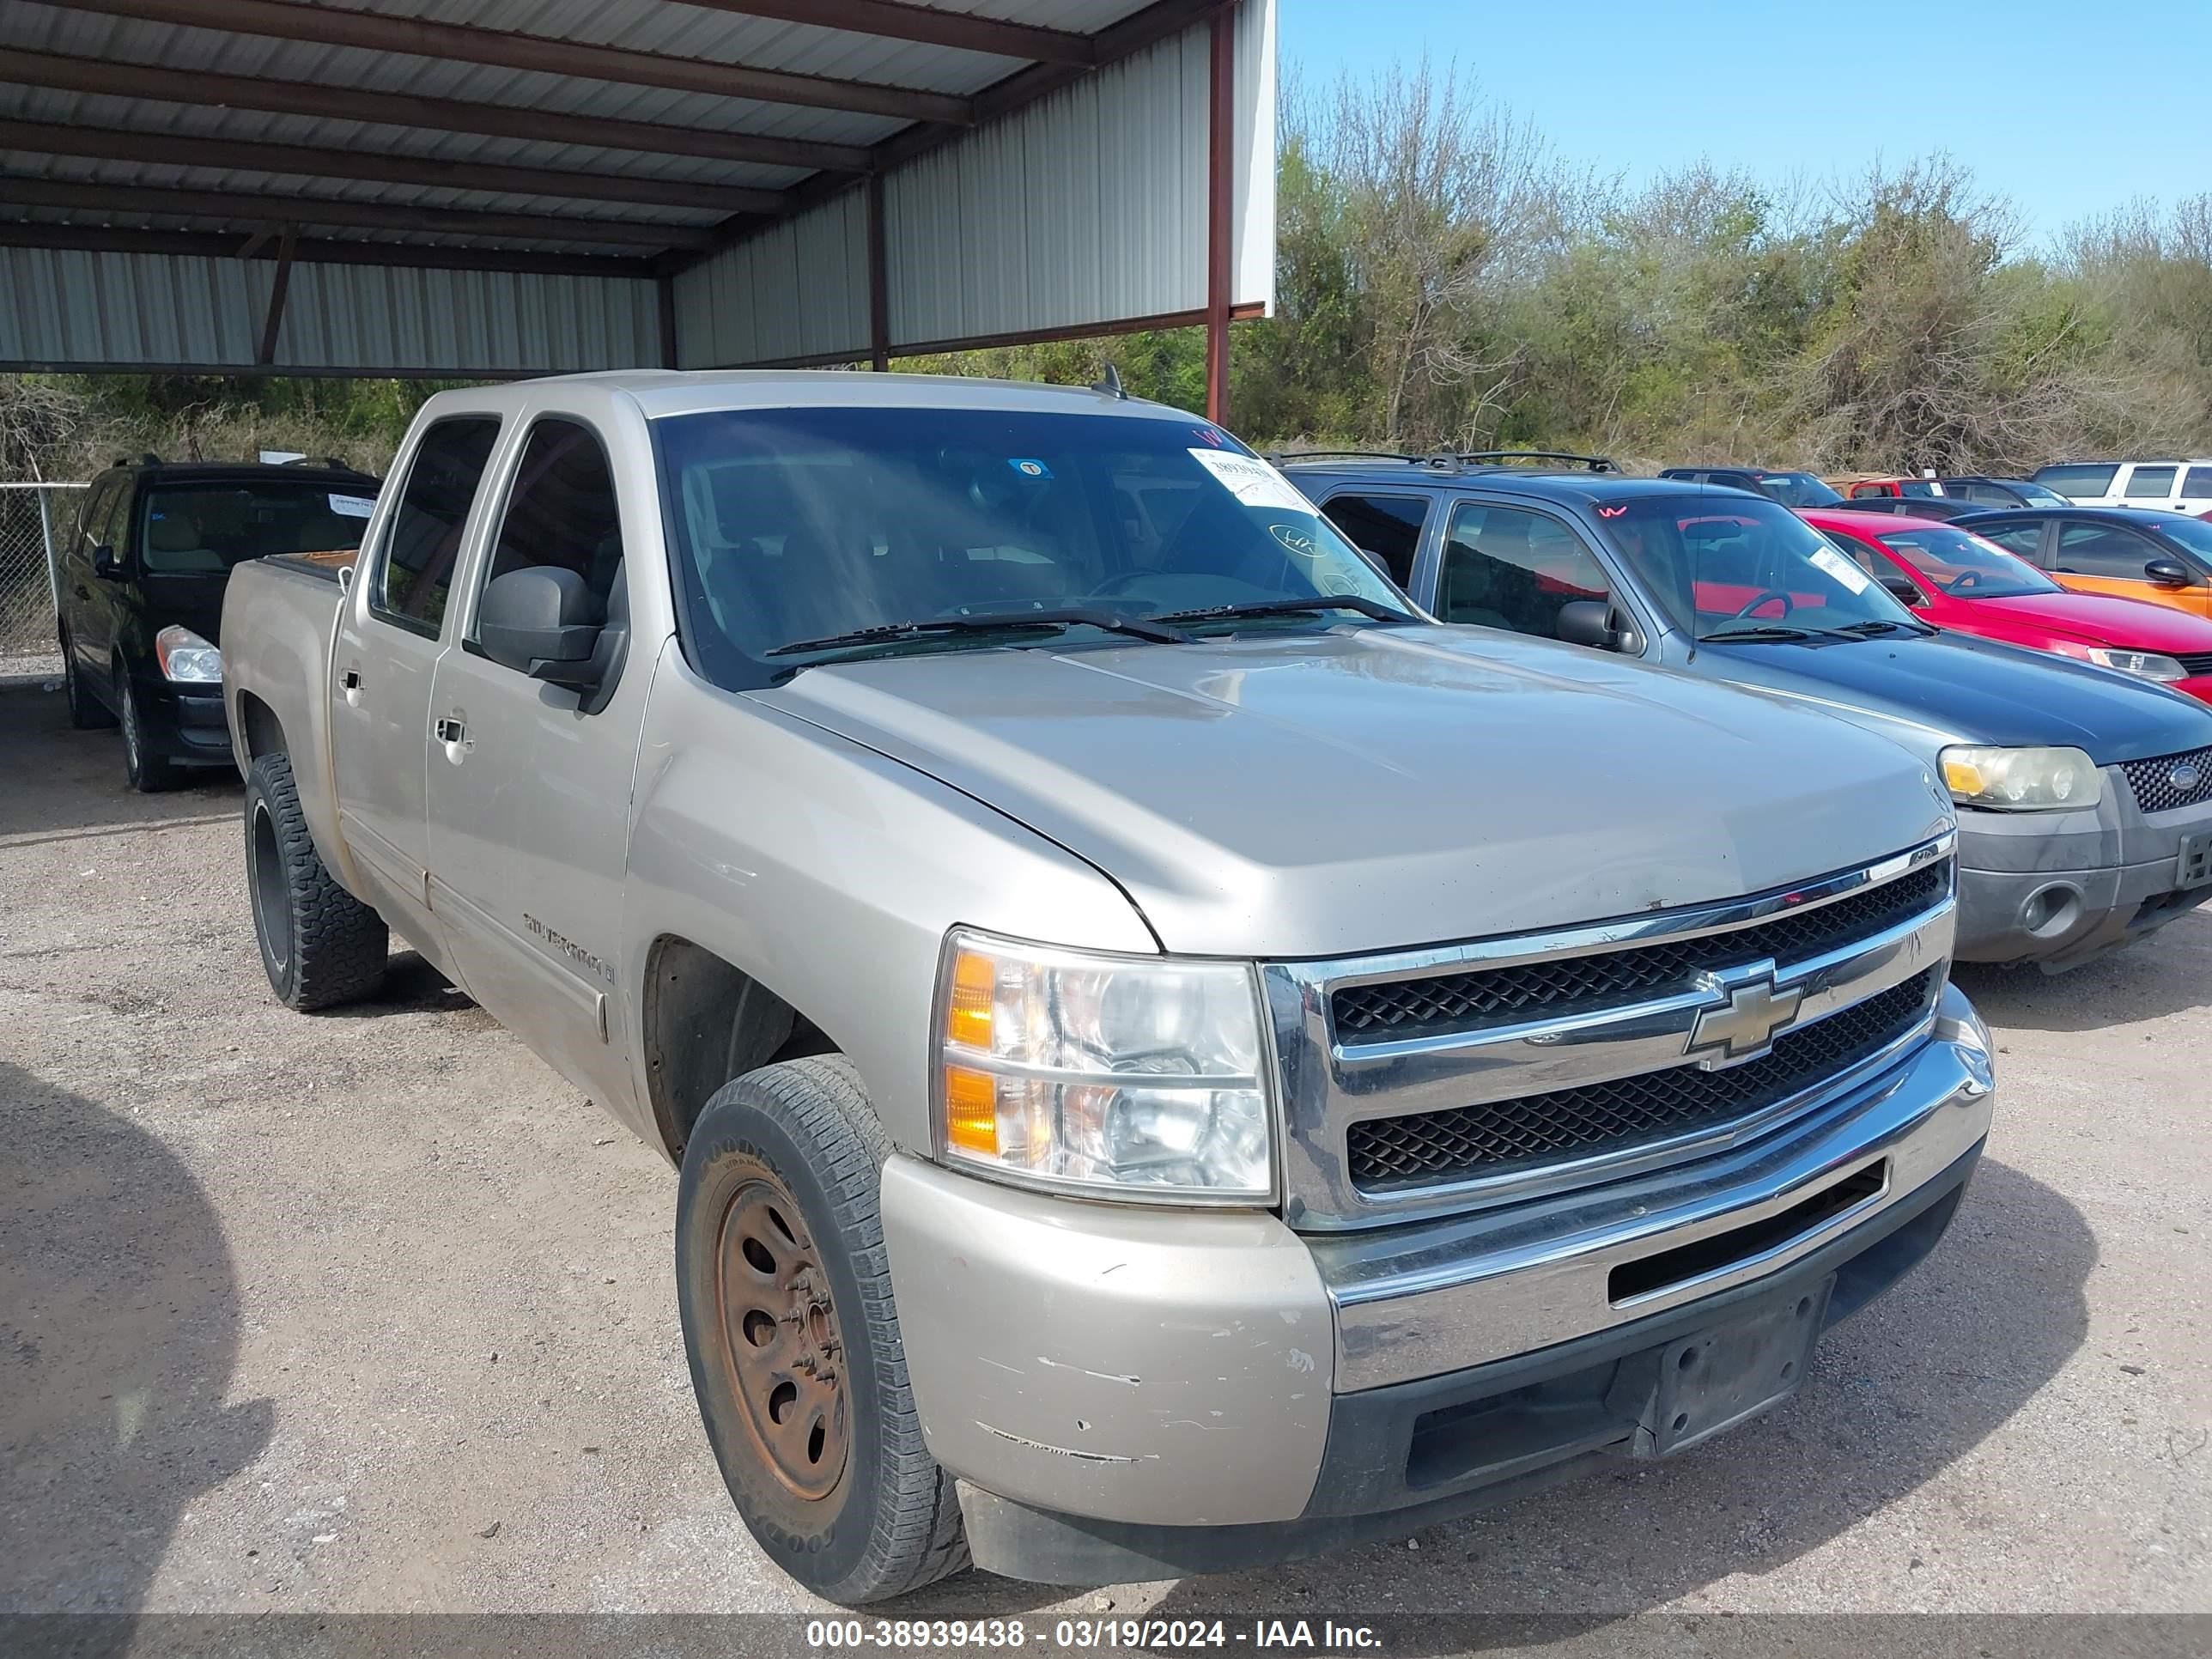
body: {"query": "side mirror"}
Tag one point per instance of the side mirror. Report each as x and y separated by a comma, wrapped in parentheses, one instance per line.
(1592, 622)
(544, 621)
(106, 566)
(1901, 589)
(2167, 573)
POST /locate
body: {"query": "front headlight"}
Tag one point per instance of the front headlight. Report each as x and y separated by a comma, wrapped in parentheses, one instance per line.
(2144, 665)
(1130, 1077)
(2022, 780)
(184, 655)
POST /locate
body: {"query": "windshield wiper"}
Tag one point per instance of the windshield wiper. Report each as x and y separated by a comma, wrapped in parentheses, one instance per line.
(1365, 607)
(1138, 627)
(1874, 625)
(1764, 631)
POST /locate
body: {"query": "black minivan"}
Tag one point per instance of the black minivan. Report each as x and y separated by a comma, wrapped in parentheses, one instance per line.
(140, 585)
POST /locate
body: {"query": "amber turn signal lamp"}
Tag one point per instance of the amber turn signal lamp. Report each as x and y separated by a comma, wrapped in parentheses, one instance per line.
(971, 1108)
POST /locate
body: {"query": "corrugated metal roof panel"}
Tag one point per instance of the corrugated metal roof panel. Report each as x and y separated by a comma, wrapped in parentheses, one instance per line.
(65, 307)
(798, 289)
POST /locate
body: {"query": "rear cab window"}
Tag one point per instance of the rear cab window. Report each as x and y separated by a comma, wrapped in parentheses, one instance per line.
(1387, 526)
(414, 569)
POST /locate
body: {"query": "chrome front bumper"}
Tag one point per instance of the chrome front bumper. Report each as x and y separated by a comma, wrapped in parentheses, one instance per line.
(1415, 1301)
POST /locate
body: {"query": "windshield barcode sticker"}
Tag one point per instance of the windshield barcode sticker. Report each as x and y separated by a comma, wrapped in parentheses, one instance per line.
(352, 507)
(1842, 569)
(1252, 481)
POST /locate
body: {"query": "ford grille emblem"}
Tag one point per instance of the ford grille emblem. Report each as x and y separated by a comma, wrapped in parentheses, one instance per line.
(2184, 776)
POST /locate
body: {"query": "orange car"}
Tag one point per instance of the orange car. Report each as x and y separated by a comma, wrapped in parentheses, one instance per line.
(1858, 485)
(2130, 552)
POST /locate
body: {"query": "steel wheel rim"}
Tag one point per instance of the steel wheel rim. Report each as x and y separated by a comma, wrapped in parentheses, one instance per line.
(779, 1340)
(272, 916)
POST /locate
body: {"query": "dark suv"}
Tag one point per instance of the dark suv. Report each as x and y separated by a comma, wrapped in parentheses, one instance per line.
(2084, 796)
(140, 586)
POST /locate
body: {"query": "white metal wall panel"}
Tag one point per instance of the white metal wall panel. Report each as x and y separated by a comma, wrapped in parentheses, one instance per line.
(58, 306)
(798, 289)
(1087, 209)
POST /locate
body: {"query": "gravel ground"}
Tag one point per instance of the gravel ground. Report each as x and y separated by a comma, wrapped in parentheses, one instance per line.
(372, 1312)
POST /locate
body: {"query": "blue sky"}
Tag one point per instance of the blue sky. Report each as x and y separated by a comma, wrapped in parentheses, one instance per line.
(2068, 109)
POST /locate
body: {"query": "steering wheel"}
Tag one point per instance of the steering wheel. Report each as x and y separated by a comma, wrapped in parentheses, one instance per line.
(1788, 604)
(1965, 582)
(1113, 587)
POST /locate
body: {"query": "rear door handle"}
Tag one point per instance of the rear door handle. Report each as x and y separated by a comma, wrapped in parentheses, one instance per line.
(350, 683)
(449, 731)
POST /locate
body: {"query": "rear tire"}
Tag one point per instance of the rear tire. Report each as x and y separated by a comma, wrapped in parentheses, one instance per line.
(794, 1340)
(150, 773)
(319, 945)
(86, 712)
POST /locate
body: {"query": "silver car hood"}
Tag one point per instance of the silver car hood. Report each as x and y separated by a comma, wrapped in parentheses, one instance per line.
(1364, 789)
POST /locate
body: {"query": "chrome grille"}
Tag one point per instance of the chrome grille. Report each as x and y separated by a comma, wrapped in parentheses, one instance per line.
(1501, 1136)
(2155, 788)
(1445, 1003)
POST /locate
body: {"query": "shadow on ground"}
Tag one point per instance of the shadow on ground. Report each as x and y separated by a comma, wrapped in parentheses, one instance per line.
(2136, 982)
(1902, 1391)
(83, 794)
(118, 1327)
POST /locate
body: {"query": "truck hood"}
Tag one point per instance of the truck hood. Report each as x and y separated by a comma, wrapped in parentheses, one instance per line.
(1956, 688)
(1365, 789)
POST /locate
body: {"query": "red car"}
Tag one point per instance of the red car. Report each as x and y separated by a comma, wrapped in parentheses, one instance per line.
(1954, 579)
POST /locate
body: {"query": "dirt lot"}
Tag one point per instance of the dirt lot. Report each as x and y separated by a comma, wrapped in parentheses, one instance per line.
(372, 1312)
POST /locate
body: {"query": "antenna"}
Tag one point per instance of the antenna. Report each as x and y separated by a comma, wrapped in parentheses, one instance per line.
(1110, 384)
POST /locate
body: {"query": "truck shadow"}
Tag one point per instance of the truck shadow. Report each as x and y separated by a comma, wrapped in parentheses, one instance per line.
(118, 1329)
(2170, 973)
(411, 985)
(1903, 1391)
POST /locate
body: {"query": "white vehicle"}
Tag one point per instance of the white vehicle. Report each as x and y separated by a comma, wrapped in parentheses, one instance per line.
(2177, 486)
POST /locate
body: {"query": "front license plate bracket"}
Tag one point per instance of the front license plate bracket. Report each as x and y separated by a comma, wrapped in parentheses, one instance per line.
(1710, 1381)
(2192, 865)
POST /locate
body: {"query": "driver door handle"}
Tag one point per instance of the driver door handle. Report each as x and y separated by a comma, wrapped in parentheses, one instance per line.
(449, 730)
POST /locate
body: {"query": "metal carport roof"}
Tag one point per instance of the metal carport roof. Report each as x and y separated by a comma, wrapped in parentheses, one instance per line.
(514, 186)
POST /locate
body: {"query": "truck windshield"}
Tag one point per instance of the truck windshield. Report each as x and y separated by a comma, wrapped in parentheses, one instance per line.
(206, 528)
(810, 525)
(1725, 566)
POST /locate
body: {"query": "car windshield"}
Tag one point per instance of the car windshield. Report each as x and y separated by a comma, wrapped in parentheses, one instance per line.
(1723, 566)
(1967, 566)
(2193, 534)
(809, 525)
(1797, 489)
(205, 528)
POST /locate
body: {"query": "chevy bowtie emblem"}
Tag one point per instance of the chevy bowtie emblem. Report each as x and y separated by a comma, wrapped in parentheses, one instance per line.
(1744, 1026)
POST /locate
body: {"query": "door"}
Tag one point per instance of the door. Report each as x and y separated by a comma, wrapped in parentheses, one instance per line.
(2197, 489)
(84, 607)
(2150, 486)
(1512, 568)
(2106, 557)
(530, 784)
(390, 628)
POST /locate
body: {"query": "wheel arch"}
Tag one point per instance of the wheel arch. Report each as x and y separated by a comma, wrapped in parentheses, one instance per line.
(259, 729)
(704, 1021)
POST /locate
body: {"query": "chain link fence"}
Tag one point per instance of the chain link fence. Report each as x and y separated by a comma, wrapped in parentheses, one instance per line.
(34, 519)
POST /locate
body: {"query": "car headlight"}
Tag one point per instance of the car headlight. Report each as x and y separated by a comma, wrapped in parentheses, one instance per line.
(2144, 664)
(1129, 1077)
(184, 655)
(2022, 780)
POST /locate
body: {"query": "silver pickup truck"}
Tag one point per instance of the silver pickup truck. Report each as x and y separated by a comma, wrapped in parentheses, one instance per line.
(1176, 1060)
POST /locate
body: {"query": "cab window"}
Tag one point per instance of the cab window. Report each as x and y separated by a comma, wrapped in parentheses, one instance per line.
(1505, 566)
(415, 571)
(2150, 484)
(2024, 539)
(561, 510)
(1389, 526)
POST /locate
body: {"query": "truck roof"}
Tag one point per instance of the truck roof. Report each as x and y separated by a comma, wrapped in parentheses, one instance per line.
(1564, 485)
(662, 392)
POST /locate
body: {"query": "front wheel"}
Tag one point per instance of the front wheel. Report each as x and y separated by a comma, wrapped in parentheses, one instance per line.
(150, 773)
(319, 945)
(794, 1340)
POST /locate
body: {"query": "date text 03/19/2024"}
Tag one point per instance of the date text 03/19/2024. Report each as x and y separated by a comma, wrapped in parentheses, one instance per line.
(1293, 1635)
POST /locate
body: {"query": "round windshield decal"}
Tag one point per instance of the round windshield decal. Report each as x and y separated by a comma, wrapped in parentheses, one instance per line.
(1298, 541)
